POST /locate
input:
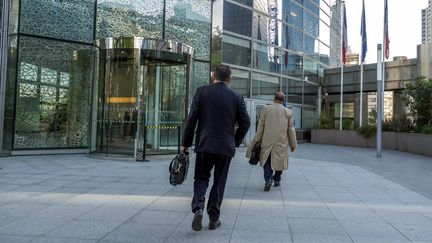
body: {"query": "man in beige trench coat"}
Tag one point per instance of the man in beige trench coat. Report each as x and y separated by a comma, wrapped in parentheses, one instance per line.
(276, 132)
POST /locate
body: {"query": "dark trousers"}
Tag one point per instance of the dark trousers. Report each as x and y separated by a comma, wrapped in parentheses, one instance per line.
(203, 166)
(268, 172)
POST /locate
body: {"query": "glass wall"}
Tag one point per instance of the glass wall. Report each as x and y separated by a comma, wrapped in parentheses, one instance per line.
(276, 45)
(67, 20)
(52, 103)
(187, 21)
(51, 59)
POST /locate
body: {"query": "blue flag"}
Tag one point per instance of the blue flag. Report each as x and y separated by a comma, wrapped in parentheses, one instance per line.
(363, 34)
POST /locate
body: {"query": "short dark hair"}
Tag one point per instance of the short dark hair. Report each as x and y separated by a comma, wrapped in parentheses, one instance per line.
(280, 96)
(222, 73)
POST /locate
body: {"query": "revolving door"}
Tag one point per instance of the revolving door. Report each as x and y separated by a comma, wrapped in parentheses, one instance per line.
(140, 101)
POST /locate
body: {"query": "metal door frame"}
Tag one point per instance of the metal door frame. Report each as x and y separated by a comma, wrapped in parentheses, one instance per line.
(4, 21)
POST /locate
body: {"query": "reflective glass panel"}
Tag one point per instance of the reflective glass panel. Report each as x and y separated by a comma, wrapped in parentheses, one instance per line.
(267, 29)
(240, 82)
(311, 24)
(237, 19)
(325, 17)
(324, 33)
(312, 6)
(9, 106)
(13, 16)
(201, 76)
(264, 86)
(292, 38)
(309, 118)
(130, 18)
(245, 2)
(50, 111)
(311, 68)
(267, 58)
(310, 94)
(272, 8)
(70, 20)
(236, 51)
(324, 51)
(310, 45)
(189, 21)
(295, 15)
(293, 90)
(292, 64)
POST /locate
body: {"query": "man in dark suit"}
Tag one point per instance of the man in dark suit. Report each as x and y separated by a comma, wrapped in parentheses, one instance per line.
(217, 109)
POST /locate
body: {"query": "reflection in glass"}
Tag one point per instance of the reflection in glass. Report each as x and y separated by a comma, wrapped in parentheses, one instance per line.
(52, 112)
(129, 18)
(294, 12)
(264, 86)
(311, 68)
(245, 2)
(189, 21)
(267, 58)
(237, 19)
(310, 44)
(310, 94)
(13, 16)
(292, 39)
(70, 20)
(9, 106)
(201, 76)
(240, 82)
(293, 89)
(240, 47)
(311, 24)
(267, 29)
(309, 118)
(292, 64)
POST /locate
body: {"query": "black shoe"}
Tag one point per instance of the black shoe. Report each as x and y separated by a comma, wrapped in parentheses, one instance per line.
(197, 220)
(214, 225)
(267, 186)
(276, 183)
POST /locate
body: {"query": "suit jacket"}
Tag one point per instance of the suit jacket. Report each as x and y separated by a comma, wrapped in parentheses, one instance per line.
(276, 132)
(217, 109)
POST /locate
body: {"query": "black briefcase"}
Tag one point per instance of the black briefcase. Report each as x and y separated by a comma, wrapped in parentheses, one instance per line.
(255, 156)
(178, 168)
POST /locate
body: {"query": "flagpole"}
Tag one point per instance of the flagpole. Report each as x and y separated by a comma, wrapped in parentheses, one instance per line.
(361, 94)
(342, 67)
(363, 55)
(384, 54)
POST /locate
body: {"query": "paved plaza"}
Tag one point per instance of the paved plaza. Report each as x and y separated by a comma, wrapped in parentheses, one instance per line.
(329, 194)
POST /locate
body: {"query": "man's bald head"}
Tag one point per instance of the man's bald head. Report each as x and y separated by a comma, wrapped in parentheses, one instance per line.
(279, 97)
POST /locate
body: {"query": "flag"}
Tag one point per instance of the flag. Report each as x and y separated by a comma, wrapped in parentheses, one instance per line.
(363, 34)
(344, 36)
(386, 32)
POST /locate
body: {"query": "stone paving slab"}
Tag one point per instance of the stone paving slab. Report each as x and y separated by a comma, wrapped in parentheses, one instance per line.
(323, 198)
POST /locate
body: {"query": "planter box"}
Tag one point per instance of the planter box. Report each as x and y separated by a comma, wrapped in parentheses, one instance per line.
(407, 142)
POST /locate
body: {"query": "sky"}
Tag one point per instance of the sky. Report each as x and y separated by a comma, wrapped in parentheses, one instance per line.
(404, 26)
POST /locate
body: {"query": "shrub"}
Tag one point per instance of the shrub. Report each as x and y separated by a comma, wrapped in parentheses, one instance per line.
(398, 124)
(347, 123)
(325, 121)
(373, 117)
(426, 129)
(418, 97)
(367, 131)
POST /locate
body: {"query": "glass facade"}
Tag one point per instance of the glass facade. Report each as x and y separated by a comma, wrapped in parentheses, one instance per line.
(53, 58)
(52, 65)
(276, 45)
(52, 101)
